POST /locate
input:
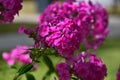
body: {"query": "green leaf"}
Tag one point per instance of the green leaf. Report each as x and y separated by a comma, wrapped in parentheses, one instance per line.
(30, 76)
(49, 63)
(72, 78)
(25, 69)
(15, 67)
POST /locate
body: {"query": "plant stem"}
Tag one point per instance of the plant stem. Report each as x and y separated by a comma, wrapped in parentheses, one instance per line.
(16, 77)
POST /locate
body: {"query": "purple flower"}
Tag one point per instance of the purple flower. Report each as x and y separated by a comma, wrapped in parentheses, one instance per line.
(8, 9)
(44, 30)
(94, 69)
(83, 66)
(63, 71)
(118, 75)
(21, 29)
(63, 36)
(27, 31)
(6, 56)
(99, 30)
(66, 26)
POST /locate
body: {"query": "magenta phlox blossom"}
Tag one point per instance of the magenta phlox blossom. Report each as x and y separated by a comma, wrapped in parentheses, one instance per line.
(84, 66)
(64, 27)
(64, 36)
(8, 9)
(118, 75)
(63, 71)
(94, 69)
(99, 29)
(18, 54)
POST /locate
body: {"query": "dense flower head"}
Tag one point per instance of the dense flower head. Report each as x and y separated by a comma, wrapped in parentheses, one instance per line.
(8, 9)
(99, 30)
(64, 27)
(94, 69)
(85, 67)
(18, 54)
(118, 75)
(63, 71)
(64, 37)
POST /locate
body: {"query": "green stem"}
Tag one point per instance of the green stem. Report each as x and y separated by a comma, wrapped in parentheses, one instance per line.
(16, 77)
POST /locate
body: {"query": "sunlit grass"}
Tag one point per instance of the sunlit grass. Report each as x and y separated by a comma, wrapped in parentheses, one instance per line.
(110, 54)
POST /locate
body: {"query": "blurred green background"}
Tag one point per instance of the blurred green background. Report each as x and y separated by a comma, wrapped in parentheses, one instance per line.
(109, 51)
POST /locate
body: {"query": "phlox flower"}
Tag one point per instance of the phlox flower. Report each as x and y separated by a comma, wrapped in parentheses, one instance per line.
(83, 66)
(19, 54)
(8, 9)
(118, 75)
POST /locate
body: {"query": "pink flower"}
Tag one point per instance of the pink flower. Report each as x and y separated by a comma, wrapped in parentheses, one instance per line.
(63, 71)
(6, 56)
(21, 29)
(11, 62)
(19, 54)
(44, 30)
(25, 59)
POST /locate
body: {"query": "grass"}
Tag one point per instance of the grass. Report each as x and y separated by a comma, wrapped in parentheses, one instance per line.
(109, 52)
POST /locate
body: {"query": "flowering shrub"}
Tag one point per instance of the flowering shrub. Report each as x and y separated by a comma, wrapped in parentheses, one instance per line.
(64, 28)
(8, 9)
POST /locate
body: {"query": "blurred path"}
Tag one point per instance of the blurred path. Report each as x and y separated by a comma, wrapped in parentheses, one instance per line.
(9, 41)
(114, 26)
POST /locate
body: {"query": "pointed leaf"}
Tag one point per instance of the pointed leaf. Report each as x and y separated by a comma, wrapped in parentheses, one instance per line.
(72, 78)
(49, 63)
(25, 69)
(30, 76)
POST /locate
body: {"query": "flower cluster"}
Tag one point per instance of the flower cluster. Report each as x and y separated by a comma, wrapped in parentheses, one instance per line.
(64, 27)
(118, 75)
(64, 37)
(18, 54)
(8, 9)
(83, 67)
(63, 71)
